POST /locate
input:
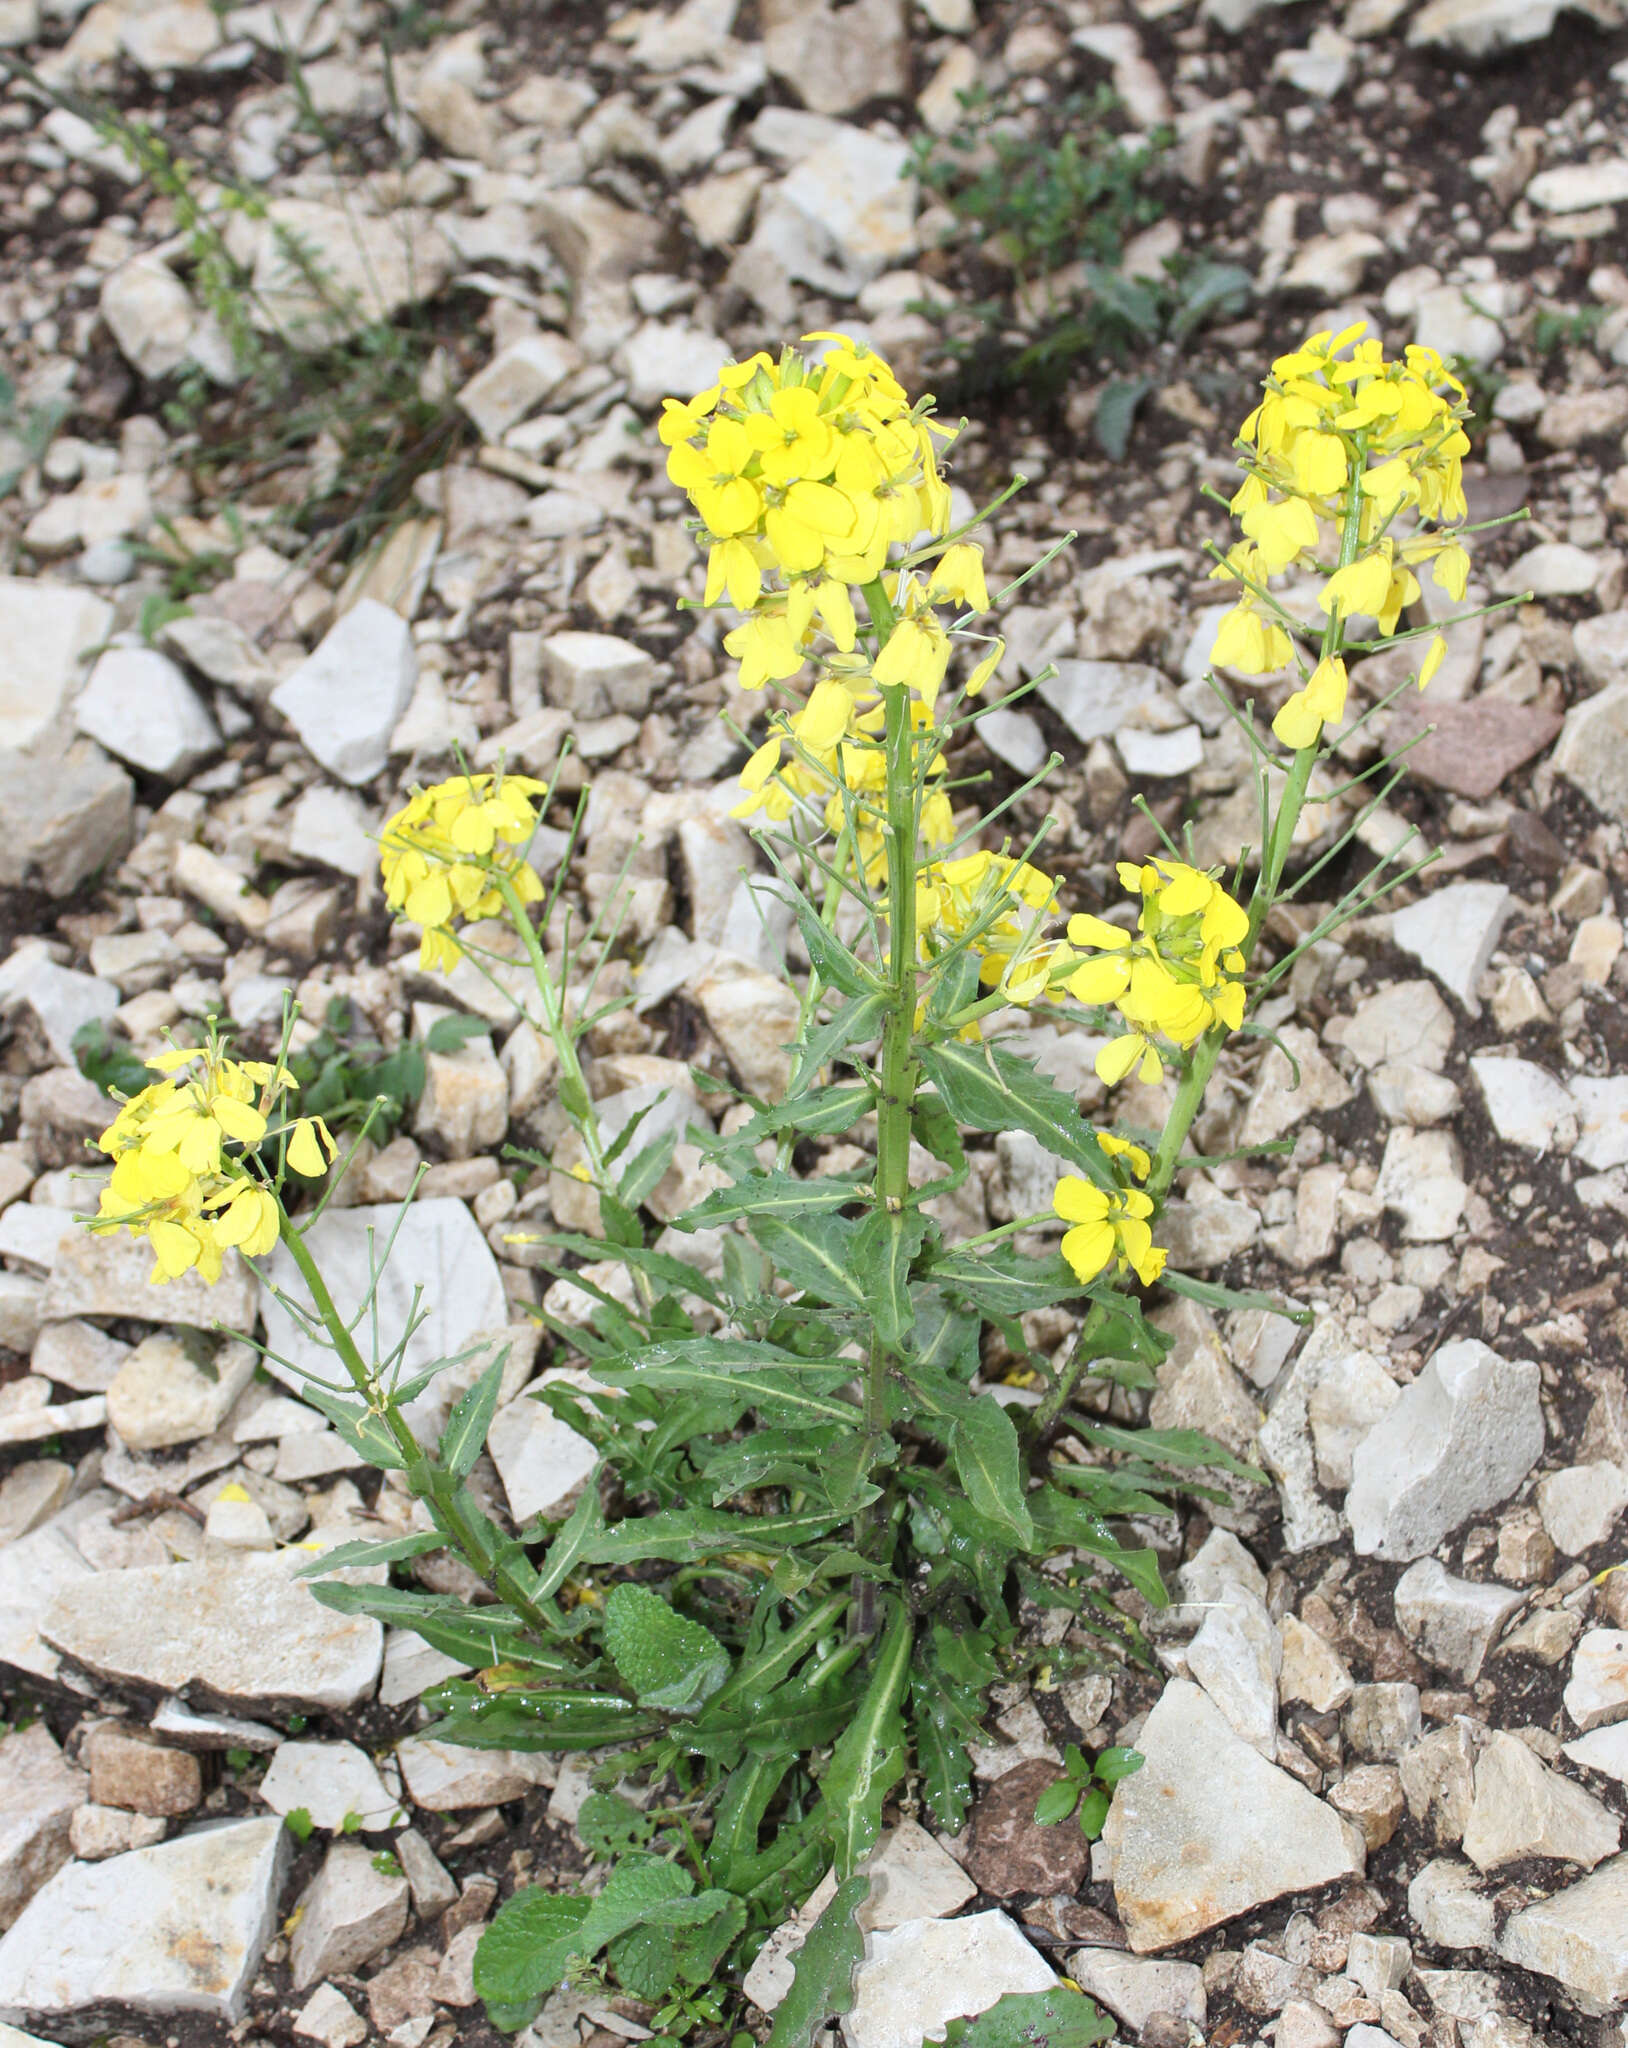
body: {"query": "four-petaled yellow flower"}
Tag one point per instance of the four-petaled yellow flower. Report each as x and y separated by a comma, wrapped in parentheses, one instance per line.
(176, 1182)
(1110, 1228)
(446, 850)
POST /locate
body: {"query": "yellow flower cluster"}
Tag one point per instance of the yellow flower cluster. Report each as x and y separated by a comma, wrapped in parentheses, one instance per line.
(176, 1182)
(1002, 904)
(1110, 1226)
(1344, 433)
(1175, 977)
(445, 850)
(805, 475)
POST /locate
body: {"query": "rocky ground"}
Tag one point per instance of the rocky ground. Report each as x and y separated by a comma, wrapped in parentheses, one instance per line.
(1388, 1749)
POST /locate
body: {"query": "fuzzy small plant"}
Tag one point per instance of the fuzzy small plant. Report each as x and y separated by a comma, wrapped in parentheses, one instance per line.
(820, 1529)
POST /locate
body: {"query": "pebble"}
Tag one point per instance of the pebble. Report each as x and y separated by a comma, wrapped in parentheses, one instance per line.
(1592, 751)
(1446, 1904)
(329, 2017)
(1474, 747)
(130, 1768)
(1579, 1937)
(1604, 1750)
(1009, 1852)
(1601, 645)
(40, 1792)
(543, 1462)
(193, 1918)
(1461, 1439)
(102, 1274)
(1208, 1829)
(1371, 1798)
(1452, 1623)
(65, 823)
(160, 1395)
(349, 1912)
(140, 706)
(1524, 1809)
(335, 1783)
(345, 699)
(1312, 1670)
(242, 1628)
(1527, 1104)
(595, 674)
(1236, 1657)
(917, 1977)
(1094, 699)
(1596, 1694)
(60, 1000)
(1381, 1720)
(1580, 1505)
(1554, 568)
(1134, 1988)
(1452, 932)
(443, 1778)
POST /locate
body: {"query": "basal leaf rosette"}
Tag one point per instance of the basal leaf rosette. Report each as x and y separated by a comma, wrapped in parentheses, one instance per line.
(1353, 470)
(187, 1163)
(449, 853)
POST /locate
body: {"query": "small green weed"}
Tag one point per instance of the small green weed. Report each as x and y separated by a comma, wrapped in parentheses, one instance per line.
(25, 432)
(1086, 1788)
(1557, 327)
(1051, 194)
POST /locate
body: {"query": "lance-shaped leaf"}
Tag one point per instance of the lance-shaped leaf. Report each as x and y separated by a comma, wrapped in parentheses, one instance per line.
(869, 1760)
(884, 1247)
(770, 1194)
(464, 1437)
(677, 1534)
(827, 1964)
(984, 1448)
(993, 1090)
(815, 1253)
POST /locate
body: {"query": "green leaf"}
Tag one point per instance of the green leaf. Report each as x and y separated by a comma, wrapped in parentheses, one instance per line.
(827, 1964)
(984, 1447)
(854, 1022)
(1003, 1282)
(936, 1130)
(464, 1437)
(670, 1662)
(1116, 412)
(344, 1556)
(835, 963)
(1060, 2018)
(869, 1760)
(609, 1825)
(821, 1112)
(1117, 1763)
(992, 1090)
(1056, 1803)
(1094, 1811)
(523, 1954)
(680, 1534)
(953, 1669)
(449, 1034)
(583, 1523)
(815, 1253)
(771, 1194)
(799, 1395)
(884, 1248)
(365, 1431)
(474, 1718)
(1209, 289)
(474, 1635)
(1213, 1295)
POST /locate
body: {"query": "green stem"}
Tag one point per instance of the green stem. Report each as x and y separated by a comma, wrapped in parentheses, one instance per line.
(573, 1091)
(424, 1476)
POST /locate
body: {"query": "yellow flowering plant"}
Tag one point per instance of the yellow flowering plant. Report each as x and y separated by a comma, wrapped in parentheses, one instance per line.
(833, 1459)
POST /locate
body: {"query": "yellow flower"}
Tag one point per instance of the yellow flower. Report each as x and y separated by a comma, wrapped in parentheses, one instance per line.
(958, 576)
(311, 1147)
(1435, 655)
(445, 850)
(1110, 1228)
(1301, 720)
(1252, 645)
(767, 649)
(916, 655)
(1361, 586)
(985, 669)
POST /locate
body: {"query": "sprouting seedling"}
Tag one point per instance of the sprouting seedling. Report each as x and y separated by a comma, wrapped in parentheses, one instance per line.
(1087, 1787)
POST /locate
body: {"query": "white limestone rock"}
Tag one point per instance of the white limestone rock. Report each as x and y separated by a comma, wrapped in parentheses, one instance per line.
(140, 706)
(1592, 750)
(543, 1463)
(241, 1629)
(67, 813)
(1134, 1988)
(328, 826)
(1524, 1809)
(912, 1878)
(345, 699)
(1446, 1904)
(1527, 1104)
(1481, 28)
(1596, 1694)
(919, 1976)
(443, 1778)
(331, 1781)
(438, 1248)
(102, 1274)
(754, 1015)
(517, 380)
(1452, 933)
(1095, 698)
(1462, 1437)
(40, 1791)
(347, 1913)
(33, 1571)
(47, 629)
(160, 1397)
(1452, 1623)
(1579, 1937)
(60, 1000)
(1208, 1829)
(1405, 1023)
(1580, 1505)
(1236, 1657)
(192, 1918)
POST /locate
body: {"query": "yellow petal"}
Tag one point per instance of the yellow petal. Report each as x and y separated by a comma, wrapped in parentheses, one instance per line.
(304, 1153)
